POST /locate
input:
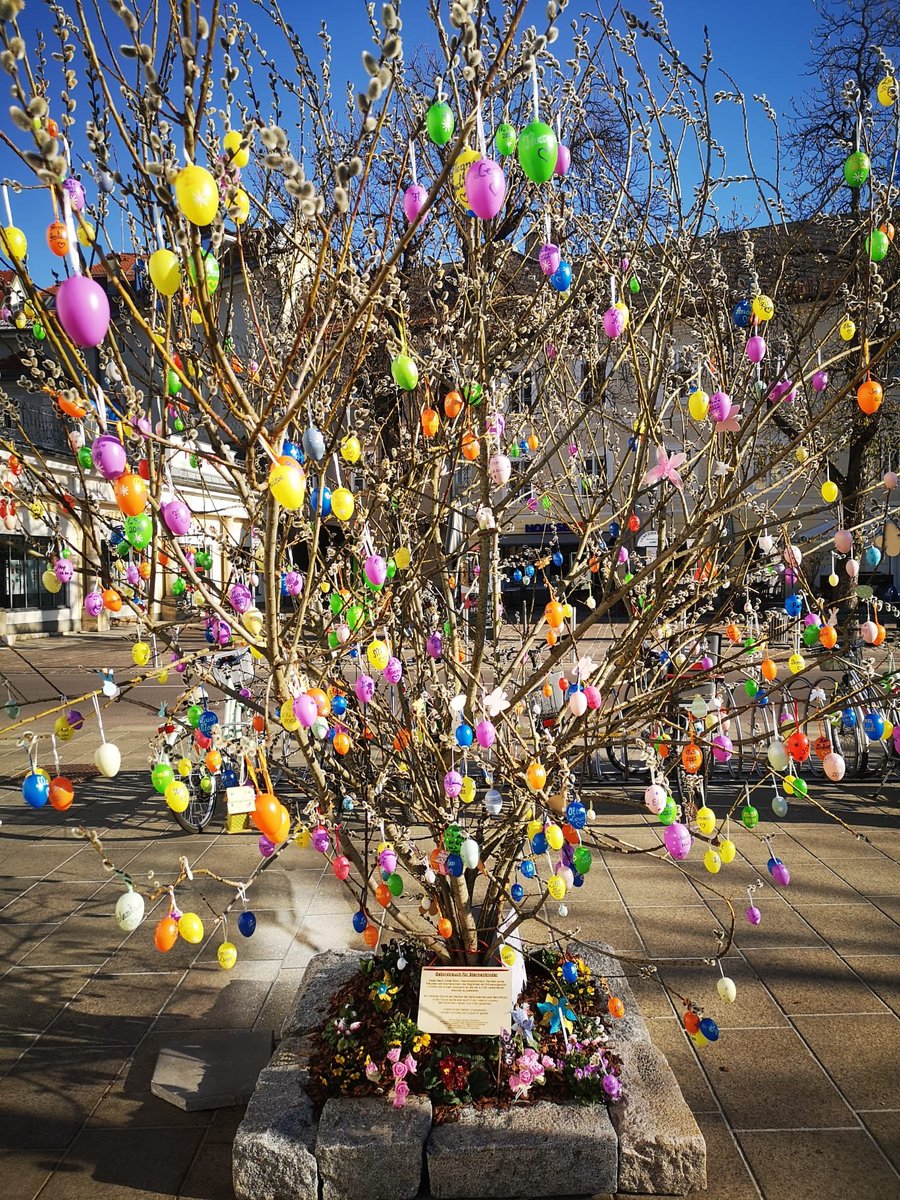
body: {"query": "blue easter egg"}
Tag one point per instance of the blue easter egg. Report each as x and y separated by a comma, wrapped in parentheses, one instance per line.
(517, 576)
(528, 869)
(36, 790)
(741, 312)
(360, 921)
(293, 450)
(539, 843)
(561, 279)
(793, 605)
(321, 503)
(208, 721)
(557, 559)
(339, 705)
(873, 726)
(576, 814)
(464, 735)
(246, 923)
(570, 971)
(517, 892)
(709, 1029)
(454, 865)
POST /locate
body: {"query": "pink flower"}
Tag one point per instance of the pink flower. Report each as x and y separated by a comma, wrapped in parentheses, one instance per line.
(548, 1062)
(401, 1091)
(398, 1070)
(526, 1078)
(410, 1064)
(394, 1054)
(666, 468)
(515, 1082)
(372, 1071)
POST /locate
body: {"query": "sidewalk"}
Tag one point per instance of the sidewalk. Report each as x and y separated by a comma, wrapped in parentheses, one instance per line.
(799, 1098)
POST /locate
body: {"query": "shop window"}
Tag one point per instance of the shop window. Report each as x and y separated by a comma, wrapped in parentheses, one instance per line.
(21, 566)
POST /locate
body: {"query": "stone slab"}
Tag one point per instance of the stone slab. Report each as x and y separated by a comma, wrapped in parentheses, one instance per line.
(367, 1149)
(535, 1150)
(661, 1148)
(212, 1069)
(273, 1152)
(323, 976)
(631, 1027)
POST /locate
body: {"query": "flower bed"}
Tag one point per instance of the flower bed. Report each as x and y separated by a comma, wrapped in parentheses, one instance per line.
(370, 1045)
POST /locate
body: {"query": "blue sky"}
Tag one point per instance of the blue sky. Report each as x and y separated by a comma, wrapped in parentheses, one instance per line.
(764, 47)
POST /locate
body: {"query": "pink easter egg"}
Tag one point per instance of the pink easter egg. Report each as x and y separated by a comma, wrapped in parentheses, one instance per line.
(500, 469)
(413, 201)
(820, 381)
(593, 697)
(453, 784)
(890, 480)
(655, 797)
(843, 541)
(756, 348)
(393, 672)
(485, 188)
(614, 322)
(485, 734)
(376, 570)
(563, 160)
(93, 604)
(719, 406)
(83, 310)
(364, 688)
(63, 570)
(549, 258)
(305, 710)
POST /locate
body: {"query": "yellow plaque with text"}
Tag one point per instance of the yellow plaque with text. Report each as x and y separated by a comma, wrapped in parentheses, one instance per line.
(473, 1000)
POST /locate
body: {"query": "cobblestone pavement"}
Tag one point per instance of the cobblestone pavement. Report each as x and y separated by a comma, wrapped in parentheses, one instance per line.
(799, 1098)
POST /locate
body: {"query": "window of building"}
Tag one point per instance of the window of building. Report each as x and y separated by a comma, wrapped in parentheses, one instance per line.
(21, 567)
(521, 392)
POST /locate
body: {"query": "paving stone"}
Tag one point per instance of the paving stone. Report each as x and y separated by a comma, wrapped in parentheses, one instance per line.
(273, 1154)
(812, 981)
(880, 972)
(771, 1081)
(536, 1150)
(661, 1148)
(367, 1149)
(130, 1165)
(827, 1164)
(212, 1069)
(668, 1036)
(863, 1059)
(853, 928)
(885, 1129)
(322, 978)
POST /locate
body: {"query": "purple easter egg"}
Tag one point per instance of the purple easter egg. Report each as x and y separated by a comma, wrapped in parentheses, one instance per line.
(222, 632)
(678, 840)
(240, 596)
(812, 619)
(320, 839)
(551, 351)
(820, 381)
(614, 322)
(376, 570)
(83, 310)
(485, 188)
(706, 663)
(293, 583)
(393, 672)
(453, 784)
(722, 748)
(387, 860)
(108, 456)
(75, 718)
(305, 710)
(895, 736)
(754, 916)
(75, 190)
(177, 517)
(435, 645)
(719, 406)
(364, 688)
(623, 555)
(563, 160)
(266, 848)
(93, 604)
(413, 201)
(144, 426)
(781, 874)
(756, 348)
(132, 574)
(485, 734)
(549, 258)
(612, 1087)
(63, 570)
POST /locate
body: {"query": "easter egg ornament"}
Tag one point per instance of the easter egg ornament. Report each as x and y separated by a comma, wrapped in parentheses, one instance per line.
(82, 308)
(197, 195)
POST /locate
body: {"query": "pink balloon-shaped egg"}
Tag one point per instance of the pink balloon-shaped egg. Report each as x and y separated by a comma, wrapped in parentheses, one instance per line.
(413, 201)
(756, 348)
(485, 188)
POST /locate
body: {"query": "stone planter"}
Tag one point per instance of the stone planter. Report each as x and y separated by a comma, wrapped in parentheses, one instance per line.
(364, 1149)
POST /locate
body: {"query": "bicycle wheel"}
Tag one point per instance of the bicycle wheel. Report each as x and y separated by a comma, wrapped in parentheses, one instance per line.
(626, 754)
(203, 796)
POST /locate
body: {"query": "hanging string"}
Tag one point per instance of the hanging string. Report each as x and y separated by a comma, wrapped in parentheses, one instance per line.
(74, 261)
(412, 159)
(6, 207)
(479, 121)
(534, 87)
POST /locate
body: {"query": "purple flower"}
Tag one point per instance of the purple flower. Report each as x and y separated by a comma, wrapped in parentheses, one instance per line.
(525, 1077)
(398, 1070)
